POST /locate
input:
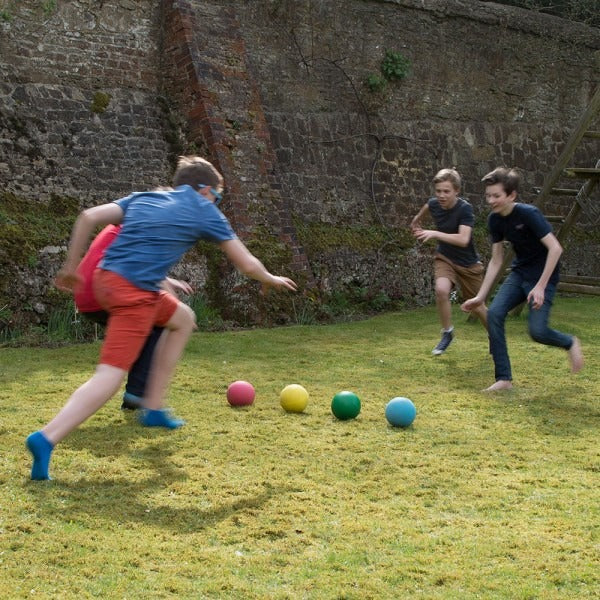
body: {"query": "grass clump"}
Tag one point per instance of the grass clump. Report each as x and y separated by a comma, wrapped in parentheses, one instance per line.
(482, 497)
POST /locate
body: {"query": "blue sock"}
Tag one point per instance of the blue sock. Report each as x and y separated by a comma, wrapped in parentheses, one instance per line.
(160, 418)
(41, 449)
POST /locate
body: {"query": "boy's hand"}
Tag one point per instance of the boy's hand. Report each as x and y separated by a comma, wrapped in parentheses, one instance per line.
(176, 285)
(469, 305)
(67, 280)
(535, 298)
(279, 283)
(424, 235)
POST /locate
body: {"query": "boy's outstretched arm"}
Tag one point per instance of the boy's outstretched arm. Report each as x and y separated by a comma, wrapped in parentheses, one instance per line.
(67, 278)
(462, 238)
(492, 271)
(245, 262)
(416, 221)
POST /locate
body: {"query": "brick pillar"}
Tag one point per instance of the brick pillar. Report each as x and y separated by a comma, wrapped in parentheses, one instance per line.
(220, 99)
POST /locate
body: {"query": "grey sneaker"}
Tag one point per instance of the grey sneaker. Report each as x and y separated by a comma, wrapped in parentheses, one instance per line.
(131, 402)
(447, 337)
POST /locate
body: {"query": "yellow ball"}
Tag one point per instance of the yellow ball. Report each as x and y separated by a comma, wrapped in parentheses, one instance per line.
(294, 398)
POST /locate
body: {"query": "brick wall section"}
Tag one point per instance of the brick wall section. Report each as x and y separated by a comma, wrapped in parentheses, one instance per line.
(489, 85)
(224, 109)
(51, 140)
(53, 143)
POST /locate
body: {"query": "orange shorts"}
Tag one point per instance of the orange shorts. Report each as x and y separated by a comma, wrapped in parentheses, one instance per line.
(468, 278)
(133, 312)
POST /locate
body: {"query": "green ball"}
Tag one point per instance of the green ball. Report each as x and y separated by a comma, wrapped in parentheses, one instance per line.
(345, 405)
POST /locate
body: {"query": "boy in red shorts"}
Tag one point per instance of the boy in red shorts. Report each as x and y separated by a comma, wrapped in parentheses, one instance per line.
(88, 307)
(158, 227)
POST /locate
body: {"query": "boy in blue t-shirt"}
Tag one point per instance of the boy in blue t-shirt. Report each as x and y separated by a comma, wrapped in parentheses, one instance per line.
(456, 262)
(533, 277)
(158, 227)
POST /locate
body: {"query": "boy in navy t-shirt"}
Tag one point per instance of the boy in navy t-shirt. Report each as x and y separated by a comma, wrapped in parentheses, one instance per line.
(158, 228)
(533, 277)
(456, 262)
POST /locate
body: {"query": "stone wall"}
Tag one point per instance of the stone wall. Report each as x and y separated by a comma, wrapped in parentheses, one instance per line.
(79, 125)
(323, 175)
(78, 99)
(489, 85)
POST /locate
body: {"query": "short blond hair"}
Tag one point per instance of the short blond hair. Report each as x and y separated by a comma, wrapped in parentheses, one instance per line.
(451, 175)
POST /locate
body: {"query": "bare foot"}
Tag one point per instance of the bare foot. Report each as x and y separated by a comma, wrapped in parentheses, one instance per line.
(576, 356)
(500, 385)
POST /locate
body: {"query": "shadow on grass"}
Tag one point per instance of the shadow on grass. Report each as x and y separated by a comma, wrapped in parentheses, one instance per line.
(123, 499)
(78, 501)
(459, 374)
(561, 412)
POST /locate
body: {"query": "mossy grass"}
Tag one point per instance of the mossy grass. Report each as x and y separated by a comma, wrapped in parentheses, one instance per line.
(484, 496)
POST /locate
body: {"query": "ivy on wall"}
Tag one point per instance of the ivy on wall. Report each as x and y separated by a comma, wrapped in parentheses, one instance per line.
(394, 67)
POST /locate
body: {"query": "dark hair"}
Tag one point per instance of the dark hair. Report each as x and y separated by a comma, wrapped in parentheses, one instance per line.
(196, 172)
(451, 175)
(508, 178)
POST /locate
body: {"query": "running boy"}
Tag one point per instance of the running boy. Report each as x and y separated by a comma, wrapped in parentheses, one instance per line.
(158, 228)
(456, 260)
(88, 307)
(533, 277)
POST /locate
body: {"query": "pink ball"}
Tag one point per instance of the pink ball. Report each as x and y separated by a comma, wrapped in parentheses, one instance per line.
(240, 393)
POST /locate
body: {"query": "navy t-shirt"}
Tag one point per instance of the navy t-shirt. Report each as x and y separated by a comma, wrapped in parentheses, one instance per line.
(448, 221)
(524, 227)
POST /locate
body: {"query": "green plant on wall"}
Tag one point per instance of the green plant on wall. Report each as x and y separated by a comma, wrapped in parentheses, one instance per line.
(394, 67)
(100, 102)
(376, 83)
(49, 6)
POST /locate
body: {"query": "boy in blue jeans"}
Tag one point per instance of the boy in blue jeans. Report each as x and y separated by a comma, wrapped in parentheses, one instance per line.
(533, 277)
(158, 228)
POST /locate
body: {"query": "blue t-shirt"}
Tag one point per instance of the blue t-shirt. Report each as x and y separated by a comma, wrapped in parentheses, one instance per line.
(158, 228)
(449, 221)
(524, 227)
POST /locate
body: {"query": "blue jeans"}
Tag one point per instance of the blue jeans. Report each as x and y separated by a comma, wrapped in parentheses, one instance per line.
(137, 377)
(513, 292)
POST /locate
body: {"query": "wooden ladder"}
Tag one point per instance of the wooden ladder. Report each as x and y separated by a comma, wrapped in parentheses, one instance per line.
(581, 199)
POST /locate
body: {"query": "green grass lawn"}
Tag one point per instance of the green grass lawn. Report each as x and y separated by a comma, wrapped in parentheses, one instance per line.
(484, 496)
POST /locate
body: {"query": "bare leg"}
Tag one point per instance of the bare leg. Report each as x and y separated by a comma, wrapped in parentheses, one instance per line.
(443, 287)
(166, 355)
(576, 356)
(84, 402)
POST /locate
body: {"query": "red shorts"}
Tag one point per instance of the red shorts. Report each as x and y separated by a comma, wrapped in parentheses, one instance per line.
(133, 312)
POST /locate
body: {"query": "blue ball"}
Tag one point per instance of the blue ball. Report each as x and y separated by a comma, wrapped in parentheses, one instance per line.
(400, 412)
